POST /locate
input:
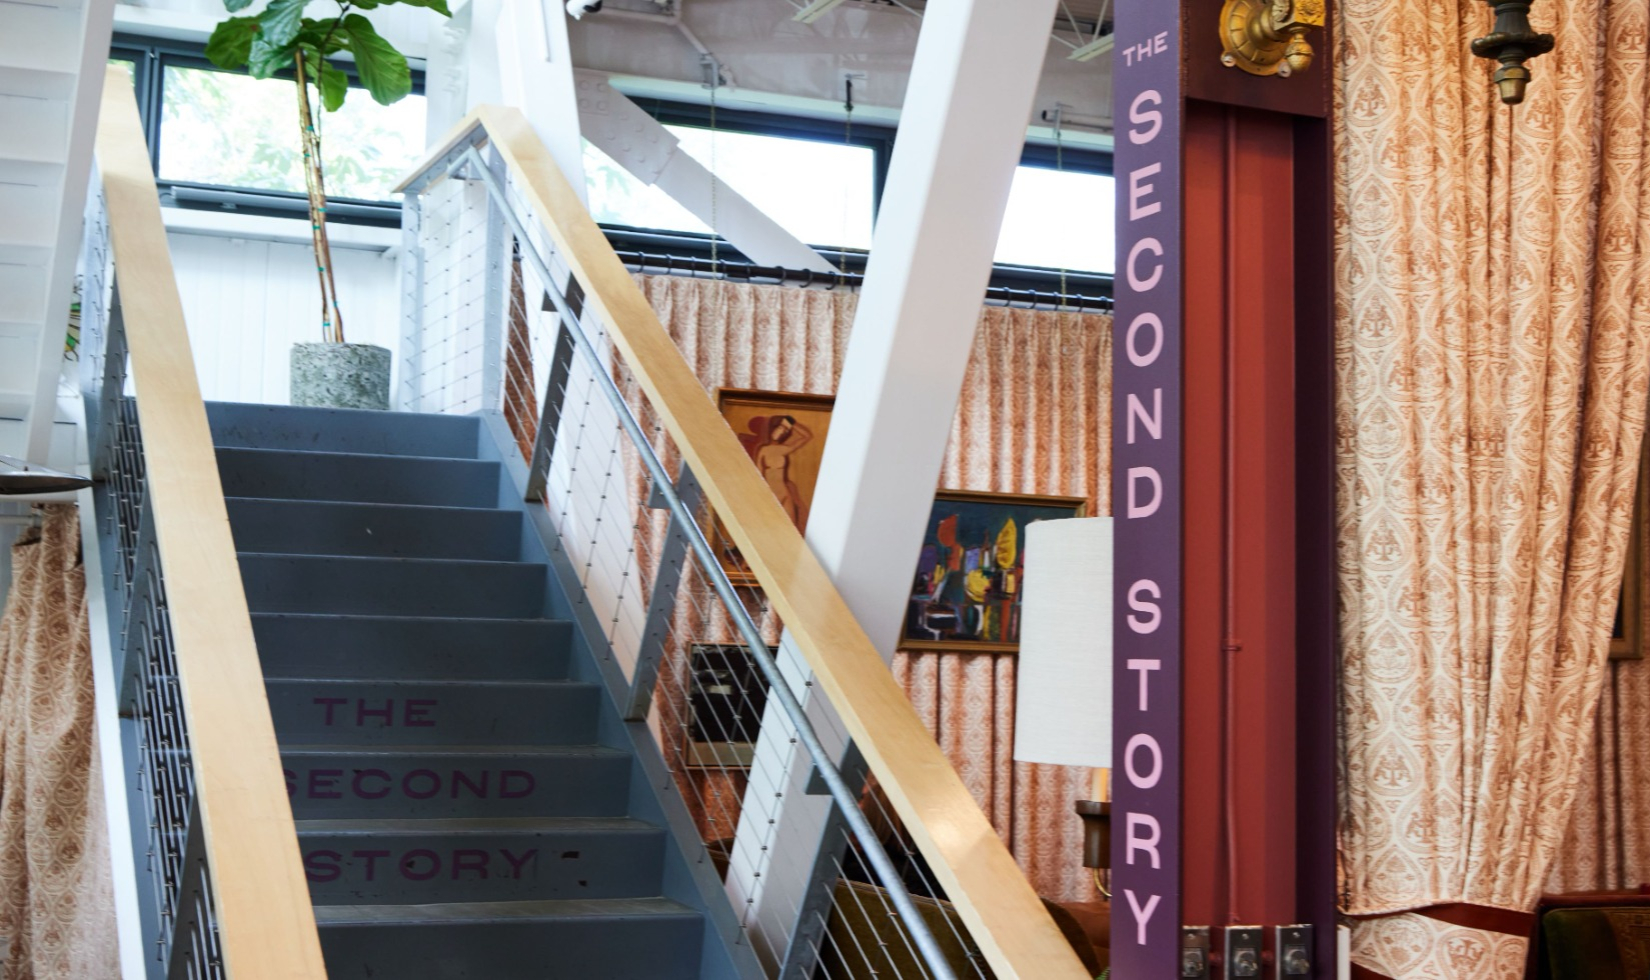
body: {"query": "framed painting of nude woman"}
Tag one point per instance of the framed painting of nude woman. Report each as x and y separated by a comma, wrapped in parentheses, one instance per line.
(784, 434)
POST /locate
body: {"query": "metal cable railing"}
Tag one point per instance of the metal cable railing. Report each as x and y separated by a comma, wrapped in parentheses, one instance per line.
(826, 882)
(220, 883)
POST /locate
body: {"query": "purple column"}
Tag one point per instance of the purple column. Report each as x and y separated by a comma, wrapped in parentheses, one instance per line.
(1146, 492)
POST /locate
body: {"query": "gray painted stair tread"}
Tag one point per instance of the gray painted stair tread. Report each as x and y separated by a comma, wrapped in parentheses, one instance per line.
(457, 826)
(412, 712)
(379, 751)
(296, 644)
(391, 586)
(275, 525)
(475, 912)
(415, 862)
(236, 424)
(358, 477)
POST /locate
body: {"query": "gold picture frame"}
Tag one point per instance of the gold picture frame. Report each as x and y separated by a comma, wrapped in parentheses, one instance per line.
(790, 471)
(965, 594)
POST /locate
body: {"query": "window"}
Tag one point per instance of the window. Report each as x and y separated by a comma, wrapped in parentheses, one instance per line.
(1060, 219)
(226, 140)
(821, 192)
(237, 131)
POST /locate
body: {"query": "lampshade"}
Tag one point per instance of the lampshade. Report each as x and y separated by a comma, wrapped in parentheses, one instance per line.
(1062, 705)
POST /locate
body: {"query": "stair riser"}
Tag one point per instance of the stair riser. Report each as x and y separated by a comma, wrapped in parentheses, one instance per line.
(392, 713)
(347, 786)
(392, 587)
(292, 527)
(360, 479)
(346, 869)
(614, 948)
(343, 430)
(322, 646)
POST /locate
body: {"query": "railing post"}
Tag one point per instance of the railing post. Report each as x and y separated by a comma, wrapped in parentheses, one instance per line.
(673, 557)
(412, 301)
(495, 306)
(555, 398)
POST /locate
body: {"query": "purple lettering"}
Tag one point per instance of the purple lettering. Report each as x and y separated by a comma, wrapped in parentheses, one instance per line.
(516, 863)
(322, 865)
(407, 784)
(415, 712)
(372, 861)
(331, 704)
(411, 856)
(359, 786)
(322, 783)
(386, 714)
(291, 783)
(527, 782)
(468, 860)
(459, 776)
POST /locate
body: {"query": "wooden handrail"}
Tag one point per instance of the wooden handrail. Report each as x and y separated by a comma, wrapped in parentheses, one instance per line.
(1004, 915)
(266, 923)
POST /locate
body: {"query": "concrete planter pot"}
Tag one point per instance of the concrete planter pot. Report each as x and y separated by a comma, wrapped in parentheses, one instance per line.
(341, 376)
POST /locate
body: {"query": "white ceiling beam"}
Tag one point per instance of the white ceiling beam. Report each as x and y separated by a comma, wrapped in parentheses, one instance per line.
(931, 260)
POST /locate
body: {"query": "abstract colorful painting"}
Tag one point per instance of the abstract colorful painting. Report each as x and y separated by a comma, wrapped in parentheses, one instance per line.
(967, 592)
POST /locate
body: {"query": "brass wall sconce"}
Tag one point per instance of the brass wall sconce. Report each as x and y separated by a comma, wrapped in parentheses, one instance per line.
(1512, 42)
(1268, 37)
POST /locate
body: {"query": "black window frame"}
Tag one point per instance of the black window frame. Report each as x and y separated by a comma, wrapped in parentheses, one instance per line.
(151, 57)
(881, 139)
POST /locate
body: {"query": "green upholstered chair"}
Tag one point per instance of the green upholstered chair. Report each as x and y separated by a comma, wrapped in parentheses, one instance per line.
(1597, 943)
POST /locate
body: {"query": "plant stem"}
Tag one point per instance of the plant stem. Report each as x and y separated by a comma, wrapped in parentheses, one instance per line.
(332, 319)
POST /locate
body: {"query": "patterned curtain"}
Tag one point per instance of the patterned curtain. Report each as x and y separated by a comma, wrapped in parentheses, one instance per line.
(56, 900)
(1035, 417)
(1493, 267)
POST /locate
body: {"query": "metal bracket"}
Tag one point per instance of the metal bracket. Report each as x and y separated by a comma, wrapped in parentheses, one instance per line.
(1244, 946)
(1292, 946)
(1194, 952)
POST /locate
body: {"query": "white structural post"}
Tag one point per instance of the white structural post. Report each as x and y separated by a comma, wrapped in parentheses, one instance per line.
(962, 128)
(535, 71)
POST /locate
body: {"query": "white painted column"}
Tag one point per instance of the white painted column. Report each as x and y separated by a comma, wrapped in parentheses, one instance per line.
(535, 70)
(963, 125)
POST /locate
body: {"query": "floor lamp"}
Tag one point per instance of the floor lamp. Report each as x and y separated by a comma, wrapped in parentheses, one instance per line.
(1063, 689)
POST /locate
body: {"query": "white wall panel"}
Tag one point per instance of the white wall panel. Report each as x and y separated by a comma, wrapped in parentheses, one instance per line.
(248, 301)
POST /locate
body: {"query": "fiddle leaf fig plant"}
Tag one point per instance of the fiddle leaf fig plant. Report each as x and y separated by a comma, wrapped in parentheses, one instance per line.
(280, 38)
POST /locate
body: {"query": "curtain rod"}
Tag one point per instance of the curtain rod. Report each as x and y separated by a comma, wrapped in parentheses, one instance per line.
(644, 262)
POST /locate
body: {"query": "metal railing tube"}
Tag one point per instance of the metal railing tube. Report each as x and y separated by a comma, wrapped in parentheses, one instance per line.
(843, 797)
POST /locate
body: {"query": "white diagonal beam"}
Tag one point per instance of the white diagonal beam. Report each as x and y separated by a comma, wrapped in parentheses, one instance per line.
(650, 152)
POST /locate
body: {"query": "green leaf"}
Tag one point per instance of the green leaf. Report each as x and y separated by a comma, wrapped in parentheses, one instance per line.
(439, 6)
(231, 42)
(314, 32)
(281, 20)
(266, 59)
(234, 5)
(334, 86)
(383, 69)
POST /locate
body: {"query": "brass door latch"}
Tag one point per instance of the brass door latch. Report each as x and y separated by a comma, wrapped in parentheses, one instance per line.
(1268, 37)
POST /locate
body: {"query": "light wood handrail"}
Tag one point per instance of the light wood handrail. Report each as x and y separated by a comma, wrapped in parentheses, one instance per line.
(1003, 914)
(266, 924)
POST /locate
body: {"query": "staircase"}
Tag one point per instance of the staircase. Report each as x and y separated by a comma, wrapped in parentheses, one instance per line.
(468, 802)
(51, 72)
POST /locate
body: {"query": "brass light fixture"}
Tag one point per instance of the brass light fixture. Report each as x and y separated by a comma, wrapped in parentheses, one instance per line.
(1512, 42)
(1268, 37)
